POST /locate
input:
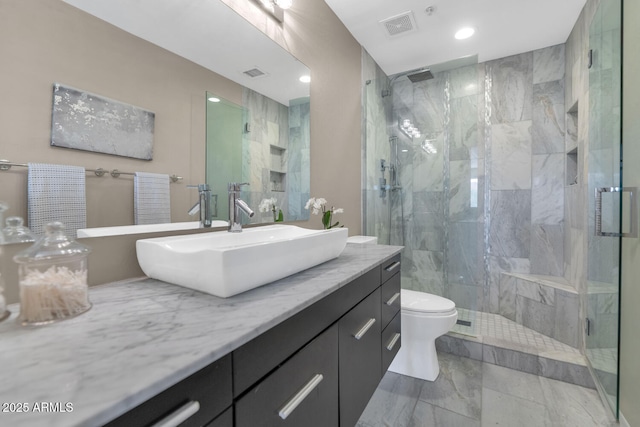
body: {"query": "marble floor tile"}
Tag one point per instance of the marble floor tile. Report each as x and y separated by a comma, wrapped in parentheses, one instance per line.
(458, 387)
(426, 414)
(393, 402)
(509, 381)
(571, 405)
(501, 409)
(471, 394)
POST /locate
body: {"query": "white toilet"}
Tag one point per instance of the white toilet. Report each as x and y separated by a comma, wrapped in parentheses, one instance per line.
(425, 317)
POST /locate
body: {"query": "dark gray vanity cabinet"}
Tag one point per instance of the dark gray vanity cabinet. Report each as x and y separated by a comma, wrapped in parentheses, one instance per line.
(390, 342)
(360, 358)
(199, 400)
(390, 291)
(301, 392)
(359, 317)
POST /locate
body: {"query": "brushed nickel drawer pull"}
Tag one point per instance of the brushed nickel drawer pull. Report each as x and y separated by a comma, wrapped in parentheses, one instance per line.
(296, 400)
(364, 329)
(393, 341)
(180, 415)
(392, 266)
(393, 298)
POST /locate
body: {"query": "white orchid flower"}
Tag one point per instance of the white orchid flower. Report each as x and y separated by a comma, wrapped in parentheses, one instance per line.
(310, 202)
(267, 204)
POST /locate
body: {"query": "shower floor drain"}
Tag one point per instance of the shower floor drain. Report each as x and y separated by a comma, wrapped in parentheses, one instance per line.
(463, 322)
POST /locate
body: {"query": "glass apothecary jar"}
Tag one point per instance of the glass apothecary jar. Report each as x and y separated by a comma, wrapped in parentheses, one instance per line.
(16, 232)
(4, 313)
(53, 278)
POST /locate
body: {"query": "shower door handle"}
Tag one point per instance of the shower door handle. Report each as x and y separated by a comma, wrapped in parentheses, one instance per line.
(633, 218)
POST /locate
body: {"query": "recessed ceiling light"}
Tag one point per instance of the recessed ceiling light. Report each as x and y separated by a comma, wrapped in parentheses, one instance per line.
(213, 99)
(464, 33)
(305, 79)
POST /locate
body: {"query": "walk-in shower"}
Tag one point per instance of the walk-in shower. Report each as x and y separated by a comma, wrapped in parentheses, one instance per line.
(410, 122)
(487, 190)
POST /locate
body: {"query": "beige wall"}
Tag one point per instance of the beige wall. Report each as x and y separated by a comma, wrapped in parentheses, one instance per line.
(630, 292)
(51, 41)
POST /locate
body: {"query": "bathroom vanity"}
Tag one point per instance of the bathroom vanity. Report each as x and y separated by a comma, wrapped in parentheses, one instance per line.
(307, 350)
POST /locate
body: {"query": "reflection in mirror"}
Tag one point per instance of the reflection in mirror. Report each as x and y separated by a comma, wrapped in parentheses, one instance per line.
(139, 53)
(266, 144)
(144, 228)
(224, 150)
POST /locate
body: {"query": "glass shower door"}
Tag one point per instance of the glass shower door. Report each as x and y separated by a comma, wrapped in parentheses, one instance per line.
(608, 222)
(424, 190)
(377, 162)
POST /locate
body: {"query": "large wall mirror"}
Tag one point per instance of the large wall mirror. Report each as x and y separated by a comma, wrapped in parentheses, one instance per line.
(169, 58)
(265, 144)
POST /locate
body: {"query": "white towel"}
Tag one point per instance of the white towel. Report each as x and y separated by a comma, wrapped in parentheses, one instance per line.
(56, 193)
(152, 198)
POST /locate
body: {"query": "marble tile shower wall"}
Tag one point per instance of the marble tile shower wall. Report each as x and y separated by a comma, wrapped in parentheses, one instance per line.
(277, 142)
(499, 154)
(298, 158)
(577, 101)
(527, 167)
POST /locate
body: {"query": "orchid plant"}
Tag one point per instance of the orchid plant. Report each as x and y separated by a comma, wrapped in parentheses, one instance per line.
(318, 205)
(267, 205)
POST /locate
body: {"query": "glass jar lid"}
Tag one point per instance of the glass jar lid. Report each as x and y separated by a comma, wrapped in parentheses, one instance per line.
(53, 245)
(16, 232)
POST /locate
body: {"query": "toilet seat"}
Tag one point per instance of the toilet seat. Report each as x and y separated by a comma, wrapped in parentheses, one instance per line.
(421, 302)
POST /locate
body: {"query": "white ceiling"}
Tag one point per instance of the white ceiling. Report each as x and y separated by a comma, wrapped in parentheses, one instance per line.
(210, 34)
(503, 28)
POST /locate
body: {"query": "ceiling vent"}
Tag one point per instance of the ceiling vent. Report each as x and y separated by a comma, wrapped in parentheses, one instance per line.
(400, 24)
(255, 72)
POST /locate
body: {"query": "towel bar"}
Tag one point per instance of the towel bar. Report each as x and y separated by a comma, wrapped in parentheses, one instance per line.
(5, 165)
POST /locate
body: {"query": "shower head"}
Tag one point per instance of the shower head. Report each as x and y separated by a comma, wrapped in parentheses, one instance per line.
(420, 76)
(415, 76)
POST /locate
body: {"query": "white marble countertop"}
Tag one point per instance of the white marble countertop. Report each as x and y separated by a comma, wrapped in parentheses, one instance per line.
(142, 336)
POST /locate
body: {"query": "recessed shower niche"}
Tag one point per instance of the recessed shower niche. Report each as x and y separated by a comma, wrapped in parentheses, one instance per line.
(278, 171)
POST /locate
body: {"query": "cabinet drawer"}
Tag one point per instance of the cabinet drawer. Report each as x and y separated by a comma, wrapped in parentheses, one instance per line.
(224, 420)
(391, 341)
(210, 388)
(389, 268)
(258, 357)
(301, 392)
(390, 299)
(360, 359)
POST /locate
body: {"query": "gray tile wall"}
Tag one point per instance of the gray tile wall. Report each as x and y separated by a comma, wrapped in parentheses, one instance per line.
(272, 123)
(528, 156)
(498, 129)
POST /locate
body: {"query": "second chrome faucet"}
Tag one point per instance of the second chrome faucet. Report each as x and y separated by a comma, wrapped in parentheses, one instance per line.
(203, 205)
(235, 206)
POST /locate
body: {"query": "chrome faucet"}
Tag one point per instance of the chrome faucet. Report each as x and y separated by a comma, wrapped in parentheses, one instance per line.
(203, 205)
(235, 205)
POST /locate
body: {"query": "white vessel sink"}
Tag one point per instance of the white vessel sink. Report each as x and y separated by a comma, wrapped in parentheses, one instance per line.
(120, 230)
(225, 264)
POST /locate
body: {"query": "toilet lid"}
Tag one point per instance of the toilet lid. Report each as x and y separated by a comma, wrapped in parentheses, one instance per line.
(425, 303)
